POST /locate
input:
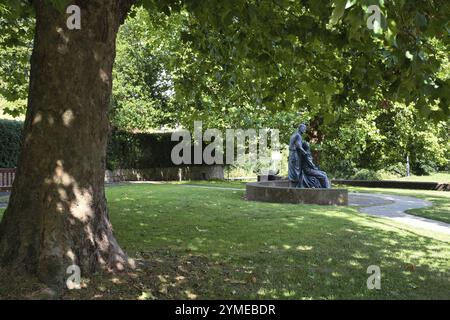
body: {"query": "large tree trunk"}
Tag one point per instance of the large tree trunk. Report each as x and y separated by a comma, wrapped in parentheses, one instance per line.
(57, 215)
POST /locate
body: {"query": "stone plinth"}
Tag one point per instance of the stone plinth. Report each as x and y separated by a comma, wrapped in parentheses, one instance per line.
(280, 191)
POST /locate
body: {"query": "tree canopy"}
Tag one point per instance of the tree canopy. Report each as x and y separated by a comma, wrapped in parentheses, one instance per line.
(273, 63)
(284, 53)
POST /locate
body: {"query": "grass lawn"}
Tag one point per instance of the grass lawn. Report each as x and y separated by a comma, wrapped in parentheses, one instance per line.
(196, 243)
(439, 211)
(442, 177)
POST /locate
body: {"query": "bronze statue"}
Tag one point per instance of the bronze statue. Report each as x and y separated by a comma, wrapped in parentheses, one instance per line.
(295, 153)
(302, 172)
(312, 176)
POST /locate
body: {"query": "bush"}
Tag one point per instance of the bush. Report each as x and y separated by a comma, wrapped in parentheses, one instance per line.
(425, 167)
(366, 174)
(128, 150)
(342, 169)
(10, 142)
(398, 169)
(125, 150)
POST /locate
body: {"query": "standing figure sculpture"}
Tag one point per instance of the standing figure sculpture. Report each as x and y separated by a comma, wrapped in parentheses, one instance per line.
(302, 172)
(295, 156)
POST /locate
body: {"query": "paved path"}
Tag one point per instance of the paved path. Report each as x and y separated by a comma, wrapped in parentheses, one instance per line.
(211, 187)
(383, 205)
(3, 199)
(394, 207)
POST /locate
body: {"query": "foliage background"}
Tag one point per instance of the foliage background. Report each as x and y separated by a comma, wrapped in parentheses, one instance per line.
(281, 65)
(10, 142)
(371, 132)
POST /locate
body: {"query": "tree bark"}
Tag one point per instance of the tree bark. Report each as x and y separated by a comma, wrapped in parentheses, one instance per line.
(57, 215)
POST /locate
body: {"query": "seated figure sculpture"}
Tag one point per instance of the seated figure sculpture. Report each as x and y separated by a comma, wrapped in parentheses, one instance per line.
(302, 172)
(312, 176)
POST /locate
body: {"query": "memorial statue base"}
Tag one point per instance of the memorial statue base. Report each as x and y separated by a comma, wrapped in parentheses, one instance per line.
(281, 191)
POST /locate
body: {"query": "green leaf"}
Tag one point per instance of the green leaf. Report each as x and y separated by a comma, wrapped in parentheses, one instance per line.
(338, 11)
(391, 37)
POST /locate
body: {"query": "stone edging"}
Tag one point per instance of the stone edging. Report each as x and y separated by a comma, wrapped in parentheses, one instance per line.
(279, 191)
(417, 185)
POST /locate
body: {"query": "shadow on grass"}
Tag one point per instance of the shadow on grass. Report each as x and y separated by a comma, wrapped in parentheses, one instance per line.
(211, 244)
(280, 251)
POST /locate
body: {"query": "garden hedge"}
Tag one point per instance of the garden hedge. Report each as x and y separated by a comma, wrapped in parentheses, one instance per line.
(126, 150)
(10, 142)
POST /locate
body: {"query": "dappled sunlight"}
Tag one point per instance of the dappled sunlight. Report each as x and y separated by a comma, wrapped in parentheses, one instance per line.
(292, 251)
(185, 247)
(67, 118)
(71, 255)
(79, 202)
(304, 248)
(65, 224)
(37, 118)
(63, 46)
(104, 76)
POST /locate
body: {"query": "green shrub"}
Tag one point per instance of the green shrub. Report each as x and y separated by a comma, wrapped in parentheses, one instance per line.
(398, 169)
(127, 150)
(366, 174)
(10, 142)
(338, 169)
(388, 175)
(425, 167)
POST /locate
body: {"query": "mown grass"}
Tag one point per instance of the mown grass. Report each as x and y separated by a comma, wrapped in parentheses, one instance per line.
(197, 243)
(442, 177)
(439, 211)
(277, 250)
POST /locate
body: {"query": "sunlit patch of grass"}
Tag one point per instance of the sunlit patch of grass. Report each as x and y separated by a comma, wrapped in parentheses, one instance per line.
(217, 183)
(441, 177)
(196, 243)
(279, 250)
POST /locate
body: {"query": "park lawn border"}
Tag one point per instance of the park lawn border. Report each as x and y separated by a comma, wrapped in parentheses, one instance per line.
(406, 256)
(439, 211)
